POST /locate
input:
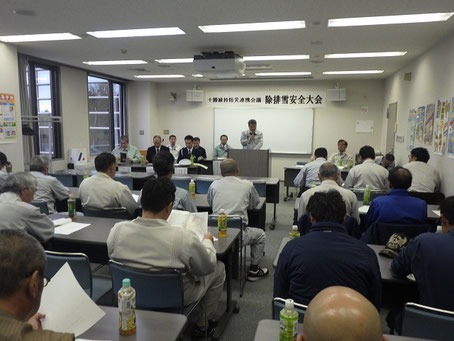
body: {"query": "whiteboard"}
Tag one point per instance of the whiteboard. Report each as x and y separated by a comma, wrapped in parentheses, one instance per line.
(287, 131)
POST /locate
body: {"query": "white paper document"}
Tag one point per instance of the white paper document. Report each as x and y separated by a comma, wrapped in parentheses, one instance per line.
(135, 196)
(69, 228)
(195, 222)
(437, 212)
(364, 126)
(67, 307)
(363, 209)
(62, 221)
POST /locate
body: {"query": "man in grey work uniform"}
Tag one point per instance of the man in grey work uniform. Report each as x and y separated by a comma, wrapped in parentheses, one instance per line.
(251, 138)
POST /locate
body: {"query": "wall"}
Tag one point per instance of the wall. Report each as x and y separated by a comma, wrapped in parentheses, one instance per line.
(432, 79)
(9, 83)
(335, 121)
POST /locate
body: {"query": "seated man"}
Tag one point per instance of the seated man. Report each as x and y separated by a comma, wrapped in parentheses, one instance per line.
(235, 197)
(49, 188)
(155, 149)
(397, 207)
(430, 257)
(186, 153)
(308, 175)
(425, 178)
(173, 147)
(101, 191)
(132, 153)
(329, 175)
(326, 256)
(4, 164)
(21, 284)
(16, 212)
(341, 314)
(163, 166)
(386, 161)
(150, 242)
(342, 159)
(222, 149)
(367, 173)
(200, 149)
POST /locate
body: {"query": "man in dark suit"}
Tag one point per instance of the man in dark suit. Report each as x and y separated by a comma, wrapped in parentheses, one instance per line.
(155, 149)
(198, 147)
(186, 153)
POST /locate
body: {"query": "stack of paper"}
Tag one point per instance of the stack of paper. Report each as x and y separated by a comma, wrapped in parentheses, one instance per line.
(363, 209)
(67, 226)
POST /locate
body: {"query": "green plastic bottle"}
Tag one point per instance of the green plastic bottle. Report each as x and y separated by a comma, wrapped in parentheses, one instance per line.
(85, 176)
(72, 207)
(127, 308)
(339, 162)
(294, 233)
(314, 184)
(366, 198)
(289, 322)
(222, 224)
(192, 188)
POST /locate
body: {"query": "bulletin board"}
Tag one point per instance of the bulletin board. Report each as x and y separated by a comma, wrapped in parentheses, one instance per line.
(8, 118)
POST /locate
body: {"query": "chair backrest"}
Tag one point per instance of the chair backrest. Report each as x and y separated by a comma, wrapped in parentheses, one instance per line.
(359, 192)
(233, 221)
(429, 198)
(260, 186)
(278, 304)
(79, 263)
(379, 233)
(181, 181)
(203, 184)
(65, 179)
(426, 322)
(42, 205)
(115, 213)
(157, 290)
(301, 163)
(304, 224)
(125, 180)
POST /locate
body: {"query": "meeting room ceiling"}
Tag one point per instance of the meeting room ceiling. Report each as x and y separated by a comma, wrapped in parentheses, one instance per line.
(316, 40)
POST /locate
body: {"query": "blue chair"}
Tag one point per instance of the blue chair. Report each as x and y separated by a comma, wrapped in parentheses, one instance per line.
(96, 287)
(202, 184)
(65, 179)
(156, 289)
(379, 233)
(421, 321)
(42, 205)
(304, 224)
(115, 213)
(126, 180)
(279, 303)
(430, 198)
(260, 186)
(359, 192)
(181, 181)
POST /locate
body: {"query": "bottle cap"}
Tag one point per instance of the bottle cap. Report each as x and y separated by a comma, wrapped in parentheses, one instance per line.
(289, 304)
(192, 181)
(126, 283)
(71, 196)
(222, 211)
(294, 228)
(367, 186)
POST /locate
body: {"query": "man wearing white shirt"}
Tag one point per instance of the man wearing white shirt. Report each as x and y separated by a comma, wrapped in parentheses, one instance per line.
(49, 188)
(5, 169)
(308, 175)
(251, 138)
(173, 147)
(328, 175)
(425, 178)
(101, 191)
(367, 173)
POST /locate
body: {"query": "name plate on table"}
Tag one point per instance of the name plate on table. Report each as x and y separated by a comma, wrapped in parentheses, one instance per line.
(124, 169)
(149, 169)
(181, 170)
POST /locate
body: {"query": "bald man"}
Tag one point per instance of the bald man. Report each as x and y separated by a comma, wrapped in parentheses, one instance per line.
(340, 313)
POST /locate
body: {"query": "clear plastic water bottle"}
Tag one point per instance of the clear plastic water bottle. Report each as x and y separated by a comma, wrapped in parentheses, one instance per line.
(222, 224)
(366, 197)
(192, 188)
(288, 322)
(127, 308)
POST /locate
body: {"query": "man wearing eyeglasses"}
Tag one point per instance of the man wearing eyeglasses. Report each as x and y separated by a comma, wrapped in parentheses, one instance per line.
(16, 212)
(21, 284)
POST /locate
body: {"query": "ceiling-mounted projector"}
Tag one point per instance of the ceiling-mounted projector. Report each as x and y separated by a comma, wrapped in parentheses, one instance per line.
(214, 65)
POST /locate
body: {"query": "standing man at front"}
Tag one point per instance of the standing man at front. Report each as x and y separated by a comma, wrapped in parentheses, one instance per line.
(132, 153)
(252, 138)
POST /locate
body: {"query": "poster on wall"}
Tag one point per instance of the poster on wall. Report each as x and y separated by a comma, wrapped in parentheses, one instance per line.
(451, 131)
(429, 124)
(437, 128)
(8, 122)
(419, 128)
(444, 124)
(411, 129)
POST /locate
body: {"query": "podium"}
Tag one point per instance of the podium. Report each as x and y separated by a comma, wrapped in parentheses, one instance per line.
(252, 162)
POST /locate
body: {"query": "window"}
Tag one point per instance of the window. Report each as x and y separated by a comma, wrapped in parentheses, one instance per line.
(43, 89)
(106, 114)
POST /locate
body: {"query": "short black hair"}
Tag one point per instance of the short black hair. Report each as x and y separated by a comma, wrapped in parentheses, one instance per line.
(447, 209)
(341, 140)
(157, 194)
(252, 121)
(389, 157)
(124, 138)
(197, 139)
(163, 163)
(321, 152)
(172, 136)
(20, 255)
(3, 158)
(367, 152)
(327, 207)
(421, 154)
(160, 139)
(400, 178)
(103, 161)
(189, 137)
(223, 136)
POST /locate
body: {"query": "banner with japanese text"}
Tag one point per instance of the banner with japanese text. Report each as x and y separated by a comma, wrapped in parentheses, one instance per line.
(8, 120)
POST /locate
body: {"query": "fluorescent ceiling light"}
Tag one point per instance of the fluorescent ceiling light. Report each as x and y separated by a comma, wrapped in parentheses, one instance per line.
(197, 75)
(175, 60)
(276, 57)
(366, 54)
(260, 26)
(282, 74)
(355, 72)
(389, 19)
(38, 37)
(115, 62)
(159, 76)
(140, 32)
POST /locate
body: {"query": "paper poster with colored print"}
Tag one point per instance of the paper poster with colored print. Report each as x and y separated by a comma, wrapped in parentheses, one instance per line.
(419, 129)
(8, 121)
(411, 129)
(438, 127)
(429, 124)
(451, 131)
(444, 124)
